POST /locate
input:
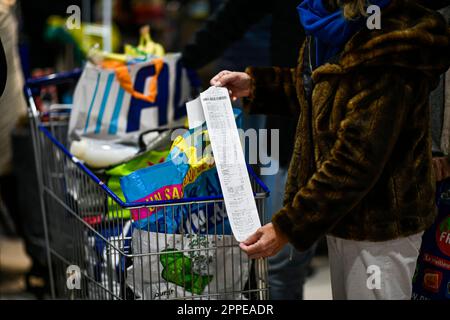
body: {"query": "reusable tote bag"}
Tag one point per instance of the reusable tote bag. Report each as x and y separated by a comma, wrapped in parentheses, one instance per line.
(118, 104)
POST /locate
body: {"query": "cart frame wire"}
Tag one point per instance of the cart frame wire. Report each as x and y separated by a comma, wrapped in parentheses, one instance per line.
(95, 250)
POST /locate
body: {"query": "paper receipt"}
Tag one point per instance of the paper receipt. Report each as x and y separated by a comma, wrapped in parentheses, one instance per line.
(230, 162)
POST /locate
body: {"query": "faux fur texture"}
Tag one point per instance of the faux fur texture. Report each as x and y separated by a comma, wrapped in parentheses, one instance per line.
(362, 162)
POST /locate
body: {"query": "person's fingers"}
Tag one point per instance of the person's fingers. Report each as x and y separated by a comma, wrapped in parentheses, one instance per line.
(220, 74)
(253, 238)
(257, 256)
(215, 81)
(233, 97)
(227, 79)
(243, 246)
(250, 240)
(260, 255)
(253, 250)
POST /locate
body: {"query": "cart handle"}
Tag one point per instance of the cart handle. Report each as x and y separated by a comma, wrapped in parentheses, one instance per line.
(33, 84)
(54, 78)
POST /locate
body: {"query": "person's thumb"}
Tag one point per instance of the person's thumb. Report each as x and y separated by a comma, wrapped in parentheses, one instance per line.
(253, 238)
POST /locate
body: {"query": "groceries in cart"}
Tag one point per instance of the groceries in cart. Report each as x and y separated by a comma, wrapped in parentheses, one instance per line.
(120, 106)
(189, 266)
(192, 151)
(102, 154)
(155, 183)
(189, 172)
(103, 260)
(146, 159)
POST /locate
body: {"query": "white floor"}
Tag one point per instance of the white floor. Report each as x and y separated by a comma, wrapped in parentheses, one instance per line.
(318, 287)
(14, 263)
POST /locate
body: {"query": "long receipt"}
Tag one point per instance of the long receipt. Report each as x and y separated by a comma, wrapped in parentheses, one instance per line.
(230, 162)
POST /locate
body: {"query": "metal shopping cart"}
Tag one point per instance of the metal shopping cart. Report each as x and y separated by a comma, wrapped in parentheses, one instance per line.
(95, 252)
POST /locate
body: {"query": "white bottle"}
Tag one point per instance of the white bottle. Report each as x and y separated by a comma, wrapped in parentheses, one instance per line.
(101, 154)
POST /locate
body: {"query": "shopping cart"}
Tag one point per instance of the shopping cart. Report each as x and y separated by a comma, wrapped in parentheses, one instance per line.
(95, 252)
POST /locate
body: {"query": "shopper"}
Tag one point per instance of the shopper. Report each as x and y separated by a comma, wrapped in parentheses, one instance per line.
(361, 172)
(243, 35)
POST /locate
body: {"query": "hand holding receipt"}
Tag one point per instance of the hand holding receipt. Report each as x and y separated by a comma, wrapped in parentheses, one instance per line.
(264, 241)
(230, 162)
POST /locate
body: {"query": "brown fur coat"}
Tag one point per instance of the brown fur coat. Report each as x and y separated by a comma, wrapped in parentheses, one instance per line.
(362, 162)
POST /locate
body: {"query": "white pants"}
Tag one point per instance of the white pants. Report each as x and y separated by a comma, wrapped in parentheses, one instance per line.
(362, 270)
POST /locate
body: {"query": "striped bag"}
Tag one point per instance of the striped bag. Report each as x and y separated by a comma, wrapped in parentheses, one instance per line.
(118, 104)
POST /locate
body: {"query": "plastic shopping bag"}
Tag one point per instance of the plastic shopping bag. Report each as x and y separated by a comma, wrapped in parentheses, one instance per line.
(201, 180)
(189, 172)
(118, 104)
(432, 277)
(160, 182)
(216, 267)
(144, 160)
(103, 261)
